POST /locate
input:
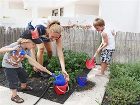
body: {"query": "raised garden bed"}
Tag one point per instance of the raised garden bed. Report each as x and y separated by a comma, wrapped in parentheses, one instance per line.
(75, 65)
(39, 85)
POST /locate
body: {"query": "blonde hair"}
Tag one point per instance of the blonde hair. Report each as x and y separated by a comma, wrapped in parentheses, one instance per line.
(22, 40)
(55, 27)
(98, 22)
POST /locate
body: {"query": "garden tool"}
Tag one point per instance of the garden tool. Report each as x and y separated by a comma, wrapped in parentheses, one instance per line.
(90, 63)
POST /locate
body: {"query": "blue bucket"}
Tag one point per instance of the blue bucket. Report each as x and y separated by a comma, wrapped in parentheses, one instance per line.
(60, 80)
(82, 81)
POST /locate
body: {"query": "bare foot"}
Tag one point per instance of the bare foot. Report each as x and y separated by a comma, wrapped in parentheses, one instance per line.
(99, 74)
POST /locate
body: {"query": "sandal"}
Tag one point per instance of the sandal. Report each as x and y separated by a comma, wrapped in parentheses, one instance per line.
(17, 99)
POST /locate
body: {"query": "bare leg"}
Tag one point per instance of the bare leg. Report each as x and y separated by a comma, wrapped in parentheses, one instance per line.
(102, 69)
(33, 53)
(14, 92)
(48, 48)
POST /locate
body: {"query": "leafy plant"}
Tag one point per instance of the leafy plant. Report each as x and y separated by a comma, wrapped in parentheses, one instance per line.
(54, 64)
(117, 70)
(1, 58)
(133, 70)
(74, 64)
(123, 91)
(124, 85)
(28, 67)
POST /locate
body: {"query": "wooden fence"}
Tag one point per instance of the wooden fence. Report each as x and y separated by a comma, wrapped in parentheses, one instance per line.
(84, 40)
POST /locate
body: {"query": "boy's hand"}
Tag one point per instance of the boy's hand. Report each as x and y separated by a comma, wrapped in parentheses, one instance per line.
(66, 75)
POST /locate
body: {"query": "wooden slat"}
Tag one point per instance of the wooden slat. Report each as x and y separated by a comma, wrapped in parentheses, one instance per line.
(84, 40)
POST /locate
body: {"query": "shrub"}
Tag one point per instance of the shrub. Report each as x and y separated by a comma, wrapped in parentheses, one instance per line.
(124, 85)
(117, 70)
(74, 64)
(54, 64)
(133, 70)
(28, 67)
(123, 91)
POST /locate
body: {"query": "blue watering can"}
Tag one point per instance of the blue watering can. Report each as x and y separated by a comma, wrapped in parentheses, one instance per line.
(59, 80)
(82, 81)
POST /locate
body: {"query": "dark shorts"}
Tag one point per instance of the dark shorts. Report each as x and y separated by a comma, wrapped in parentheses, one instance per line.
(14, 75)
(45, 39)
(106, 55)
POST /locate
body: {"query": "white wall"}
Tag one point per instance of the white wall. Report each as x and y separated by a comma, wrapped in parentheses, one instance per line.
(44, 12)
(13, 10)
(86, 9)
(69, 10)
(16, 18)
(138, 18)
(17, 14)
(11, 15)
(122, 14)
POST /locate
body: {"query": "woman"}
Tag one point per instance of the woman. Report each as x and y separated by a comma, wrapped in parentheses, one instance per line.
(53, 33)
(54, 30)
(43, 40)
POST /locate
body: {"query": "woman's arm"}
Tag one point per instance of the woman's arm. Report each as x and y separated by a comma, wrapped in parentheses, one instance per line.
(61, 57)
(36, 64)
(60, 53)
(33, 53)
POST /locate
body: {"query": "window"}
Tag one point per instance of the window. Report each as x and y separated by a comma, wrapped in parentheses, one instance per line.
(55, 12)
(61, 11)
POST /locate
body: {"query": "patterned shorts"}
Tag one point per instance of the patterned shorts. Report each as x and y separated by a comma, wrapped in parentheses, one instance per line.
(106, 55)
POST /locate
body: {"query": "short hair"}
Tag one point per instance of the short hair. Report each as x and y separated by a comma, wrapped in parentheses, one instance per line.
(23, 40)
(52, 23)
(98, 22)
(54, 27)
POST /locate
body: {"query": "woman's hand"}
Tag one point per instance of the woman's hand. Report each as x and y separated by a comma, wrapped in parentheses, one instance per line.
(66, 75)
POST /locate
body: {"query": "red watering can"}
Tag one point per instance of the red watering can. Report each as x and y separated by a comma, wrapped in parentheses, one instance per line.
(61, 89)
(90, 63)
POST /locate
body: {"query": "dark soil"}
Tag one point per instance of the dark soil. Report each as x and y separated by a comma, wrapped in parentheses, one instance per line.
(39, 82)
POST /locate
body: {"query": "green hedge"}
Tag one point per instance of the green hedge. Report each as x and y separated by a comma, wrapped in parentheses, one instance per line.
(124, 85)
